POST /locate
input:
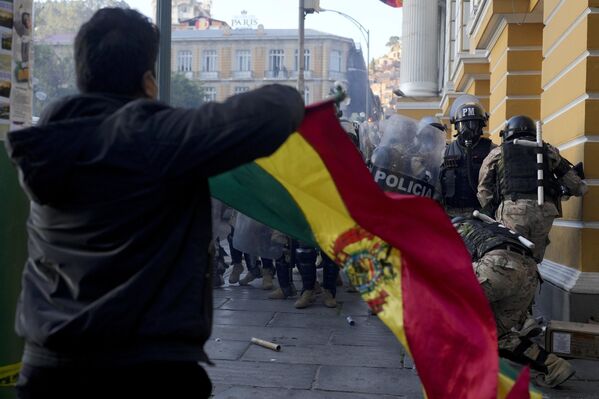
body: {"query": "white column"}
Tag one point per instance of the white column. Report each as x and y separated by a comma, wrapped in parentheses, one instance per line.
(420, 48)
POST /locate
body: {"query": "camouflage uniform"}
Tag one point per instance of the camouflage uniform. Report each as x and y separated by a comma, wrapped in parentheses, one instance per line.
(504, 269)
(525, 215)
(509, 280)
(508, 275)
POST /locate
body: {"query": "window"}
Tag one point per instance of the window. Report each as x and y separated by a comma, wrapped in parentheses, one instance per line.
(466, 9)
(335, 61)
(243, 58)
(306, 60)
(306, 95)
(241, 89)
(209, 61)
(209, 94)
(184, 61)
(275, 61)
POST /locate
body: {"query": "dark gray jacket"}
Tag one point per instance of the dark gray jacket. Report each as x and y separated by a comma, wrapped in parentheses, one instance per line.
(120, 221)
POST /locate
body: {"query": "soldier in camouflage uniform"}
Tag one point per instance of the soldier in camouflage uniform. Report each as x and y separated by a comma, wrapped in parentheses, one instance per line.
(508, 275)
(508, 184)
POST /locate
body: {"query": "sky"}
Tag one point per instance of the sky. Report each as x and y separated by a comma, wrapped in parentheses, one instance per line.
(381, 20)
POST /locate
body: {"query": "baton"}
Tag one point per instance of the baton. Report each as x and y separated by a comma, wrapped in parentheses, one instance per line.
(485, 218)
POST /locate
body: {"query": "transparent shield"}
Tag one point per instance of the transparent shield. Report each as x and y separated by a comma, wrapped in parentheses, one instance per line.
(408, 157)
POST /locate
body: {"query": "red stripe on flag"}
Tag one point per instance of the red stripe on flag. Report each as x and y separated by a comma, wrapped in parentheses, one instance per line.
(448, 322)
(520, 388)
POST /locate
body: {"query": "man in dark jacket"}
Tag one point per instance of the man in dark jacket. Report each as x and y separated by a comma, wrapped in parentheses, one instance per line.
(116, 292)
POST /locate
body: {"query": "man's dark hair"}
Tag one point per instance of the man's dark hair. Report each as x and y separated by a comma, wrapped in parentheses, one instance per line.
(113, 50)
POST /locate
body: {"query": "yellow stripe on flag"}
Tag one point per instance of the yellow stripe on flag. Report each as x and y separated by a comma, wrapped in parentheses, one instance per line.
(9, 375)
(309, 182)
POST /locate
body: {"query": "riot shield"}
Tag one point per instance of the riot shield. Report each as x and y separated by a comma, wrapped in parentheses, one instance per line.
(255, 238)
(408, 157)
(370, 138)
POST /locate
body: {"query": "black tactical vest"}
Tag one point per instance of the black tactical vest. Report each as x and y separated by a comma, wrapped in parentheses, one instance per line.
(481, 237)
(518, 173)
(455, 185)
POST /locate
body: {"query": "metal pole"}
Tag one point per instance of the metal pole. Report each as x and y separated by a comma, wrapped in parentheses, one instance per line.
(366, 35)
(367, 74)
(163, 21)
(300, 51)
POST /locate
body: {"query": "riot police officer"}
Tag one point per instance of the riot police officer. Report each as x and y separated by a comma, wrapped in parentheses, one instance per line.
(508, 183)
(463, 158)
(434, 122)
(507, 273)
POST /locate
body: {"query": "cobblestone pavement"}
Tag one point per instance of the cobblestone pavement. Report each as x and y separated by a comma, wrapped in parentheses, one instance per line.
(322, 356)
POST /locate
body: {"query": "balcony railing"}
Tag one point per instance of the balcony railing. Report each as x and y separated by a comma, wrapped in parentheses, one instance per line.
(211, 75)
(307, 74)
(282, 74)
(242, 75)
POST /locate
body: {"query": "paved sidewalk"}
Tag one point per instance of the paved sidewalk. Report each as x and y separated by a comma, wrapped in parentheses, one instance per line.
(322, 356)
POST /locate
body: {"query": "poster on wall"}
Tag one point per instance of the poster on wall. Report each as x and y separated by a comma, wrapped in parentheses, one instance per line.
(6, 27)
(21, 92)
(16, 25)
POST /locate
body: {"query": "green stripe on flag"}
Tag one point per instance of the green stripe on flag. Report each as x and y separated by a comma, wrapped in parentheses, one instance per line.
(254, 192)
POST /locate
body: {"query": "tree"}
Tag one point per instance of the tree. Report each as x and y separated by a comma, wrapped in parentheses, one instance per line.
(185, 92)
(56, 23)
(53, 75)
(393, 40)
(60, 17)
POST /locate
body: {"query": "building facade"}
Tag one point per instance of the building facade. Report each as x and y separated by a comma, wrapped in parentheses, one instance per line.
(231, 61)
(538, 58)
(385, 77)
(182, 10)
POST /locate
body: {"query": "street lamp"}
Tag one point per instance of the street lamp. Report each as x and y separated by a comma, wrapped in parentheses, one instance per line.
(366, 34)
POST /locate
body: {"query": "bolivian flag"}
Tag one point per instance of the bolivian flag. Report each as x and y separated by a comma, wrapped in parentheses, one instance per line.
(400, 251)
(393, 3)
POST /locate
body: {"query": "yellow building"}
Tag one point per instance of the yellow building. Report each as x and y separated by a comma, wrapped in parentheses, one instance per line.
(538, 58)
(230, 61)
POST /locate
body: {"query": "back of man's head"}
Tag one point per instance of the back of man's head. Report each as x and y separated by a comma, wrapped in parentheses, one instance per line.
(113, 51)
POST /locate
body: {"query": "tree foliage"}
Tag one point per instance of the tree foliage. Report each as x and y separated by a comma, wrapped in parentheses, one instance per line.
(393, 40)
(185, 93)
(53, 75)
(56, 23)
(62, 16)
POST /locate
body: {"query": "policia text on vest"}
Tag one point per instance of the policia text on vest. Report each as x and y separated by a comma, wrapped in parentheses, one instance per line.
(400, 183)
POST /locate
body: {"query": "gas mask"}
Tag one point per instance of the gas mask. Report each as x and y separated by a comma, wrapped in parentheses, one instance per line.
(469, 132)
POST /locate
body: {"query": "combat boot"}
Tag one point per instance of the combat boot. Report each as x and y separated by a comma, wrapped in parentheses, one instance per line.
(558, 371)
(317, 288)
(305, 300)
(266, 279)
(277, 294)
(247, 279)
(328, 299)
(235, 273)
(280, 293)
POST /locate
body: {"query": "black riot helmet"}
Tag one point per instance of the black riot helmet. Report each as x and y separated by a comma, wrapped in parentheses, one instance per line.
(469, 121)
(518, 126)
